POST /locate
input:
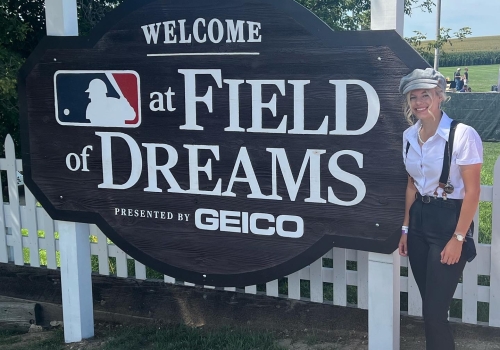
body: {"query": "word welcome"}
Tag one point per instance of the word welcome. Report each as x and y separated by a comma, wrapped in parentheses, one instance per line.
(178, 32)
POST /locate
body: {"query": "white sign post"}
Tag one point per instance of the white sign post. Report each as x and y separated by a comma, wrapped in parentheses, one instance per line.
(384, 269)
(74, 245)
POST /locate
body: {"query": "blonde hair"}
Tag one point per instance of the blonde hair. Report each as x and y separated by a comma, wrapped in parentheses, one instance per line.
(410, 118)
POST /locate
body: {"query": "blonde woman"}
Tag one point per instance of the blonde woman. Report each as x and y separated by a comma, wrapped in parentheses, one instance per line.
(442, 196)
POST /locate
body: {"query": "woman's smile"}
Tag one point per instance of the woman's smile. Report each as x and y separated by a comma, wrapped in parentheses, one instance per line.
(423, 104)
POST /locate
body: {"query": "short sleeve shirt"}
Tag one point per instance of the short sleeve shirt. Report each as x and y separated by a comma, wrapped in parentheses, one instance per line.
(424, 164)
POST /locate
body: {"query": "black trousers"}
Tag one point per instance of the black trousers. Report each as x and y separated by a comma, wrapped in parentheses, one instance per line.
(431, 227)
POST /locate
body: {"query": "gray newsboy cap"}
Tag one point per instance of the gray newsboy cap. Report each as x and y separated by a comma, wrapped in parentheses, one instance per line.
(422, 79)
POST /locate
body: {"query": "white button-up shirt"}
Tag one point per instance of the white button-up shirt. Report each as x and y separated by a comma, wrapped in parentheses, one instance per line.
(424, 164)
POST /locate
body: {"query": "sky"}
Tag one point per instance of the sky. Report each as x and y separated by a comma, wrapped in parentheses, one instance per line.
(482, 16)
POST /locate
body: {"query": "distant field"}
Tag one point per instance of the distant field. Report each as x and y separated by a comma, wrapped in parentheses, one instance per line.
(481, 43)
(481, 78)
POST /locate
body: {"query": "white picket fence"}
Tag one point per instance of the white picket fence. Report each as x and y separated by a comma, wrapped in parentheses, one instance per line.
(28, 216)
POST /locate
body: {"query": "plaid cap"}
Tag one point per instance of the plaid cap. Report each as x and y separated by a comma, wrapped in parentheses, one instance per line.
(422, 79)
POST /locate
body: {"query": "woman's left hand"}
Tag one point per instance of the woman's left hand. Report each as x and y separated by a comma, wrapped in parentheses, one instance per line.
(451, 252)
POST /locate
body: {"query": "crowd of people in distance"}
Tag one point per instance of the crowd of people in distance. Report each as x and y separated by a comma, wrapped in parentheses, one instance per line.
(460, 83)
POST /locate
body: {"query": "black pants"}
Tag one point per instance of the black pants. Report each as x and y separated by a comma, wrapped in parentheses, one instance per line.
(431, 227)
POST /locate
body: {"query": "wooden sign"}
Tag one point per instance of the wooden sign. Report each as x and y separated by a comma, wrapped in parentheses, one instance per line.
(221, 143)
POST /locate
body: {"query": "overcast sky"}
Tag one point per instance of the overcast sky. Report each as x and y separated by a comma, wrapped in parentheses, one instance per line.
(483, 16)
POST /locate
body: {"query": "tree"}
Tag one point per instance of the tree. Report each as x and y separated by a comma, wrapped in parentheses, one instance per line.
(426, 48)
(22, 26)
(354, 14)
(13, 51)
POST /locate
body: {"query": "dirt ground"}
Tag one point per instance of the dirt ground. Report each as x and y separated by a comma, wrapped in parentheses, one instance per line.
(412, 338)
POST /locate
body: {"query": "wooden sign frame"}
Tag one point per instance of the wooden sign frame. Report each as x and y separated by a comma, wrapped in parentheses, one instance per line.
(59, 193)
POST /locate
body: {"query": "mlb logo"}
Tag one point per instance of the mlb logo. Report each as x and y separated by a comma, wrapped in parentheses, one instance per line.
(98, 98)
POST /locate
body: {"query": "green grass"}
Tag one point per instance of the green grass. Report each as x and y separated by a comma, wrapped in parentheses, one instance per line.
(481, 78)
(491, 153)
(154, 337)
(186, 338)
(16, 340)
(9, 336)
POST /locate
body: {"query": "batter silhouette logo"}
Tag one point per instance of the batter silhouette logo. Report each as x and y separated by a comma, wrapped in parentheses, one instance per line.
(98, 98)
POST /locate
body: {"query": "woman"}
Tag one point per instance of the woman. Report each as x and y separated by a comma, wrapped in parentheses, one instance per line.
(437, 233)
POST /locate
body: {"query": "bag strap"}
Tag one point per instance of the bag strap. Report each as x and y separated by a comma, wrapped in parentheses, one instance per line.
(448, 149)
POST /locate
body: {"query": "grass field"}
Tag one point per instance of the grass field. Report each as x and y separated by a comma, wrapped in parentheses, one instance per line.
(482, 43)
(481, 78)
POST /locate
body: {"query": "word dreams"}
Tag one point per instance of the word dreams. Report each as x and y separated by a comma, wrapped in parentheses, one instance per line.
(278, 160)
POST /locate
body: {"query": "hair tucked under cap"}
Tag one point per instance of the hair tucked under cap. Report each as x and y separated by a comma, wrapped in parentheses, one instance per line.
(422, 79)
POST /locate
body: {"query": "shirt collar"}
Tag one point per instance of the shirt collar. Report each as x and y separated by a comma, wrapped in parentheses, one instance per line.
(443, 128)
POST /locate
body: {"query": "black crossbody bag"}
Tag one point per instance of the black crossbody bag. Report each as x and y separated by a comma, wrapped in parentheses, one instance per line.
(468, 247)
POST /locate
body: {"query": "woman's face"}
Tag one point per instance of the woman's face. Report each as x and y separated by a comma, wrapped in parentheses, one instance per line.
(425, 103)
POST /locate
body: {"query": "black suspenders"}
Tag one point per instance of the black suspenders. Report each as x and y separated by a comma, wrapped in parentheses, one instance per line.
(448, 149)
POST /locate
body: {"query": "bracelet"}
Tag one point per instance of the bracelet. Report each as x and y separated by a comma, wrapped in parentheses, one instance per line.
(404, 230)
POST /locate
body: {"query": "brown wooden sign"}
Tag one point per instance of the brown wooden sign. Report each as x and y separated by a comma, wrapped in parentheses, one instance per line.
(221, 143)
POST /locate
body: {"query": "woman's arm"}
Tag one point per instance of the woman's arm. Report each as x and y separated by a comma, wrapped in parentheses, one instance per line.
(409, 199)
(471, 175)
(411, 190)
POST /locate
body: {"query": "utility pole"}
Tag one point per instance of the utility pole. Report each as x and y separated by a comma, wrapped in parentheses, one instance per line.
(438, 33)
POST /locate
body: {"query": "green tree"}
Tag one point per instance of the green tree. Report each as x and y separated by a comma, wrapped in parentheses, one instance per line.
(426, 47)
(12, 42)
(354, 14)
(22, 26)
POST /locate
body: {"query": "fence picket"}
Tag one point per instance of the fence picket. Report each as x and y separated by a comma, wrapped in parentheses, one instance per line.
(251, 289)
(272, 288)
(414, 299)
(121, 263)
(495, 250)
(469, 285)
(4, 257)
(168, 279)
(362, 259)
(316, 280)
(14, 212)
(48, 227)
(294, 285)
(339, 277)
(30, 223)
(102, 250)
(140, 270)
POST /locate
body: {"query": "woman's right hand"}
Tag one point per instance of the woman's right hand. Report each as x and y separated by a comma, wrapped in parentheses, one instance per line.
(403, 245)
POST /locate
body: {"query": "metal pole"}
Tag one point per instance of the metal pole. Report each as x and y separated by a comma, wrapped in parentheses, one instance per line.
(498, 84)
(438, 33)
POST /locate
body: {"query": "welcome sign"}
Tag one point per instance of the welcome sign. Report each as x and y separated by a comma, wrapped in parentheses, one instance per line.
(222, 143)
